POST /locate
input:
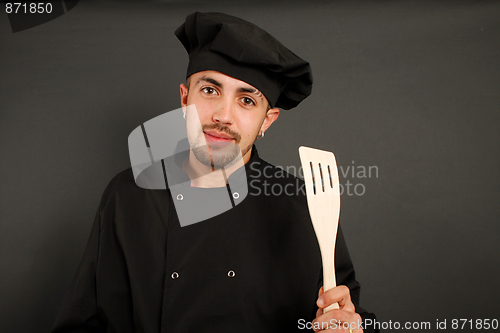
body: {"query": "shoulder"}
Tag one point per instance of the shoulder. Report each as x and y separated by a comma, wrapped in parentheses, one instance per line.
(123, 181)
(124, 178)
(123, 189)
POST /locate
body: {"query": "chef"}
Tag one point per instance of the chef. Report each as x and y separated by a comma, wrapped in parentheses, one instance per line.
(251, 264)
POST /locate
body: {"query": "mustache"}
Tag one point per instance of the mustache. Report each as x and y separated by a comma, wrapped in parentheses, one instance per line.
(222, 128)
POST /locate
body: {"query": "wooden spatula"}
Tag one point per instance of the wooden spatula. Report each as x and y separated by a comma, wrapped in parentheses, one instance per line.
(323, 199)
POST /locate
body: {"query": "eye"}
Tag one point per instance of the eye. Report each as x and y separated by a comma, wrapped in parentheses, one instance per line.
(209, 90)
(247, 101)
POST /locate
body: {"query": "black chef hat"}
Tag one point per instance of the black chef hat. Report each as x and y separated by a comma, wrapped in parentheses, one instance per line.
(240, 49)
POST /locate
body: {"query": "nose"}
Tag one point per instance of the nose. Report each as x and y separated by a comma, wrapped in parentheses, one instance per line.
(224, 112)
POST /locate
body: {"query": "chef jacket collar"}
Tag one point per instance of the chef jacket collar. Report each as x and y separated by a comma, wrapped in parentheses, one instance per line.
(176, 175)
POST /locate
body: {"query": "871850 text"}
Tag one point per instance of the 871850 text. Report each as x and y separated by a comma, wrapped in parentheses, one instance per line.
(28, 7)
(478, 324)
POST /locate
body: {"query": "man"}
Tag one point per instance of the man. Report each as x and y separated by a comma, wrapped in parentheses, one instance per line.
(253, 268)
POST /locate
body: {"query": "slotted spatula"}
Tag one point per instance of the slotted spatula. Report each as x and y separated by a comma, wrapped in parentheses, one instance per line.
(323, 199)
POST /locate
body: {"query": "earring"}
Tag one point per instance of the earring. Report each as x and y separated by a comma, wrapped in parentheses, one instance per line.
(260, 136)
(184, 115)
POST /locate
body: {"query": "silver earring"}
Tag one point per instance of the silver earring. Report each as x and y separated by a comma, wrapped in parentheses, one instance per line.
(260, 136)
(184, 115)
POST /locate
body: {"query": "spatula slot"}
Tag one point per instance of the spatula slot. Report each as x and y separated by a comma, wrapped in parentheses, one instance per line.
(322, 180)
(312, 174)
(330, 175)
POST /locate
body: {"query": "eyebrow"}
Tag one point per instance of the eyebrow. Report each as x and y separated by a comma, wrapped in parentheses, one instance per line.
(209, 80)
(251, 91)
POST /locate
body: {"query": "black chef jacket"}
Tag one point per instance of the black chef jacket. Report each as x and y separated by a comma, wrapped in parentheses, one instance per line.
(254, 268)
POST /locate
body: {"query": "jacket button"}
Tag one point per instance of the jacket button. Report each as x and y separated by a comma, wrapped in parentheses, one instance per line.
(231, 274)
(175, 275)
(179, 197)
(236, 195)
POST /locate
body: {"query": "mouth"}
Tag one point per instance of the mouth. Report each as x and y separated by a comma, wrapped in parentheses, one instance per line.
(214, 137)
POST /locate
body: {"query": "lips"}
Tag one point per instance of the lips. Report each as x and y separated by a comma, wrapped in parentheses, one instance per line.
(214, 136)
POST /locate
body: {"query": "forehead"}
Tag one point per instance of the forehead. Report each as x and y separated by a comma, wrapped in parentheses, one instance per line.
(222, 78)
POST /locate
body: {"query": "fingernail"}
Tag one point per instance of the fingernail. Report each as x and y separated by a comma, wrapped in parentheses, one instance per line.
(320, 301)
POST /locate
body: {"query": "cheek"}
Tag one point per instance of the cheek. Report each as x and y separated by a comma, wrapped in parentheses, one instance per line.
(250, 127)
(193, 122)
(204, 110)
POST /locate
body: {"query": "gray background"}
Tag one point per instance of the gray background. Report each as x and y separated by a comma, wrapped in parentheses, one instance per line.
(411, 87)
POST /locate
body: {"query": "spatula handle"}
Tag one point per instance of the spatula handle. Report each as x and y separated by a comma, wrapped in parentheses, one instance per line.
(329, 280)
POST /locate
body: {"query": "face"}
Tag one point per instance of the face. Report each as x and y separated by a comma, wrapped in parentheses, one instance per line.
(231, 114)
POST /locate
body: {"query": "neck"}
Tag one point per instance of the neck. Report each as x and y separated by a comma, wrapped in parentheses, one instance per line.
(205, 176)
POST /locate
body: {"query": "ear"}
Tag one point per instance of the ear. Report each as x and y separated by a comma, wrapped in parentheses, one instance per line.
(184, 95)
(271, 116)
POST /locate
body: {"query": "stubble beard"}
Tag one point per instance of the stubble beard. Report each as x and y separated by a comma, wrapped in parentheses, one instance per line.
(215, 156)
(212, 157)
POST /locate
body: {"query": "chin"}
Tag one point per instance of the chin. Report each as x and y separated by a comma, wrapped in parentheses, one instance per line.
(217, 157)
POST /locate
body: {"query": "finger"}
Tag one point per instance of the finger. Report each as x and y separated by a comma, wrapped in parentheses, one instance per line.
(339, 320)
(319, 312)
(340, 294)
(325, 326)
